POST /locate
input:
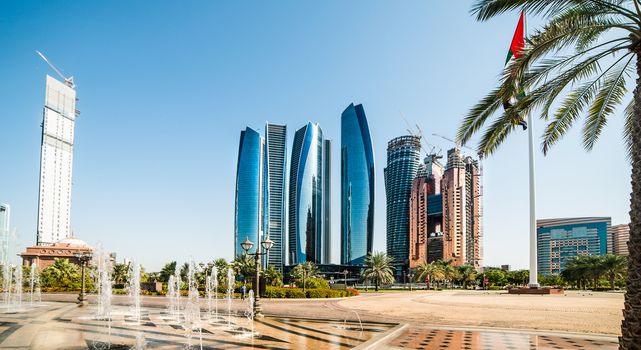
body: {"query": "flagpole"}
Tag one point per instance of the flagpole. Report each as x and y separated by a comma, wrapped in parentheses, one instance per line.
(533, 245)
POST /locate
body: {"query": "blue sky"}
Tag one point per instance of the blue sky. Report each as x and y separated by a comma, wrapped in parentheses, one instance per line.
(165, 88)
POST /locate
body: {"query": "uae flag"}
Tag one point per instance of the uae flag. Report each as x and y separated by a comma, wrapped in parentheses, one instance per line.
(516, 50)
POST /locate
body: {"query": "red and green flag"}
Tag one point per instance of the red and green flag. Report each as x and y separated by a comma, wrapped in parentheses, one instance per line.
(516, 50)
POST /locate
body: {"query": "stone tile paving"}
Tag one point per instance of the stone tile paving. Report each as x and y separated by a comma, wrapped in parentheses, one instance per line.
(441, 339)
(66, 326)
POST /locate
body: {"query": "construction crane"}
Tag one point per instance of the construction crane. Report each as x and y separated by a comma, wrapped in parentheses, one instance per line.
(68, 81)
(432, 149)
(458, 145)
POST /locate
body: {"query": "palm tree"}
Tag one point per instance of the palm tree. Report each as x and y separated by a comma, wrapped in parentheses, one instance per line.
(613, 267)
(426, 272)
(448, 270)
(378, 268)
(167, 271)
(466, 274)
(302, 272)
(245, 265)
(588, 51)
(64, 272)
(273, 276)
(120, 273)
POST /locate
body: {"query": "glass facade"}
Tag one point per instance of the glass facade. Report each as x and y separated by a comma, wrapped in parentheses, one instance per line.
(558, 240)
(327, 200)
(248, 215)
(403, 159)
(275, 169)
(357, 187)
(306, 196)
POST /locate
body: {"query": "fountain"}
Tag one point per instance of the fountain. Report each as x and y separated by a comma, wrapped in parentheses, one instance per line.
(177, 280)
(171, 294)
(17, 289)
(6, 286)
(211, 288)
(134, 290)
(249, 313)
(104, 286)
(230, 294)
(34, 285)
(192, 306)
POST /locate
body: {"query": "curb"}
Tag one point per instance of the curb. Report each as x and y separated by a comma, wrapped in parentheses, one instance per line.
(381, 339)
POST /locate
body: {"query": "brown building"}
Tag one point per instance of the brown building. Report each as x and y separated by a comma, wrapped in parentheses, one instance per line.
(426, 184)
(44, 256)
(462, 230)
(620, 238)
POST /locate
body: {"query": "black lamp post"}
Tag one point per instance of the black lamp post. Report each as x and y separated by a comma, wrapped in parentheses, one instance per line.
(410, 276)
(267, 244)
(83, 258)
(345, 272)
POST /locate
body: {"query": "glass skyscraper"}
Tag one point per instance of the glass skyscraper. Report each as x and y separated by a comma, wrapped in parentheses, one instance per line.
(307, 196)
(357, 187)
(275, 170)
(403, 159)
(248, 215)
(558, 240)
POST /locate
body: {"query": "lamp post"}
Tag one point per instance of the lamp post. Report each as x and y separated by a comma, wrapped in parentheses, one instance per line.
(83, 258)
(345, 272)
(267, 244)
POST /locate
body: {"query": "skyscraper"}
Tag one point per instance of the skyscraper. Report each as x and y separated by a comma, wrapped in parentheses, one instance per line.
(306, 196)
(423, 220)
(56, 160)
(327, 203)
(558, 240)
(620, 238)
(249, 208)
(403, 158)
(357, 187)
(275, 165)
(462, 210)
(5, 217)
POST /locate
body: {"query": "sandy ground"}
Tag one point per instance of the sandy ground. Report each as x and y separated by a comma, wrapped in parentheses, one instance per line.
(579, 312)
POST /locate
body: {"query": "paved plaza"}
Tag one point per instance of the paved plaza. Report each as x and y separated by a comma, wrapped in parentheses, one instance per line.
(392, 320)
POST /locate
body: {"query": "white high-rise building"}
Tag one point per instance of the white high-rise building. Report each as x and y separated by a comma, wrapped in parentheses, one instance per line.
(56, 159)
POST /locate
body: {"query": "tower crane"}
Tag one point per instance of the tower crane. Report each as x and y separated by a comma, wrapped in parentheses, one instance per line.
(68, 81)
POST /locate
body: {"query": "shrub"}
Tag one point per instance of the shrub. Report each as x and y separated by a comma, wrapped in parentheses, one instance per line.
(317, 293)
(352, 292)
(316, 282)
(294, 293)
(275, 292)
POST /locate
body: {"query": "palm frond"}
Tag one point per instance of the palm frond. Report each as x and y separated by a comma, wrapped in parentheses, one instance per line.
(627, 128)
(613, 91)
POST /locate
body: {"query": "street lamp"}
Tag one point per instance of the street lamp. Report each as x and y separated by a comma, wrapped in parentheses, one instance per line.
(267, 244)
(83, 258)
(345, 272)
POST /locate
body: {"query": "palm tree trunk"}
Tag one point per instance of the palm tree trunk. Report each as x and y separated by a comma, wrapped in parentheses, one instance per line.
(631, 325)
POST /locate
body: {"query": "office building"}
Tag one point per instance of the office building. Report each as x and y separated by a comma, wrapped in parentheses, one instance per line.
(5, 218)
(559, 240)
(461, 198)
(425, 217)
(403, 159)
(357, 187)
(275, 170)
(326, 244)
(620, 238)
(435, 247)
(249, 193)
(307, 196)
(56, 160)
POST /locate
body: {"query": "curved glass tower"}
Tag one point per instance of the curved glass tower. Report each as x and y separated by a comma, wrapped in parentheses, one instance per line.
(306, 204)
(402, 165)
(248, 215)
(357, 187)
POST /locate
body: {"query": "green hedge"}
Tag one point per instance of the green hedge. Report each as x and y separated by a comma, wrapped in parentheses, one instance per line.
(298, 293)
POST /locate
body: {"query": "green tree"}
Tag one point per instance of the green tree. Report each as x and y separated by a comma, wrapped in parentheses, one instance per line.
(167, 271)
(245, 265)
(273, 276)
(587, 52)
(301, 273)
(613, 267)
(379, 269)
(448, 270)
(428, 272)
(61, 274)
(221, 266)
(120, 273)
(466, 275)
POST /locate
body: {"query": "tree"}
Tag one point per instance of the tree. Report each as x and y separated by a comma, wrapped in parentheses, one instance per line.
(448, 270)
(167, 271)
(587, 52)
(61, 274)
(273, 276)
(302, 272)
(427, 272)
(221, 266)
(613, 267)
(245, 265)
(120, 273)
(378, 268)
(466, 274)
